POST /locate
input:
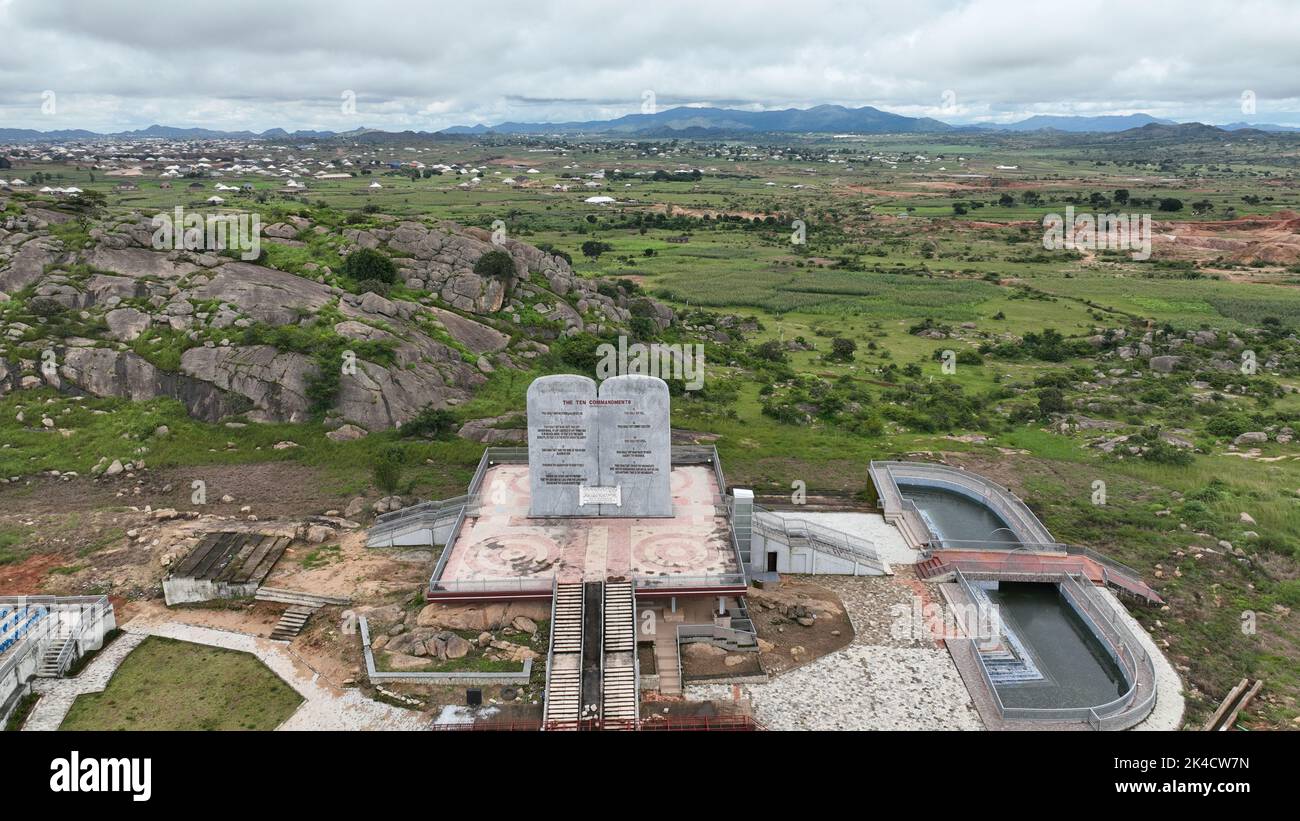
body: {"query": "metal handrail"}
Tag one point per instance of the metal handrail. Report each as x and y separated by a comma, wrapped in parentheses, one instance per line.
(502, 585)
(704, 580)
(92, 607)
(1014, 511)
(825, 539)
(1127, 650)
(550, 649)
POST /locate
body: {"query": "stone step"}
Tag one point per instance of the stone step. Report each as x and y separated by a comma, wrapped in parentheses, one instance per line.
(283, 596)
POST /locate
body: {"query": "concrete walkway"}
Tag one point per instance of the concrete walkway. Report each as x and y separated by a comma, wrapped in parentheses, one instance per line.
(324, 706)
(57, 694)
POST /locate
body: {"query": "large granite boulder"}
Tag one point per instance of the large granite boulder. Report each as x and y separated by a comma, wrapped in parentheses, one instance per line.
(274, 381)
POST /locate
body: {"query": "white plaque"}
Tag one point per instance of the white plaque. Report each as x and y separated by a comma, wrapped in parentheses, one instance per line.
(598, 495)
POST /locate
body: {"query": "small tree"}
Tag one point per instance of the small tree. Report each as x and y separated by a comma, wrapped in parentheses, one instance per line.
(367, 263)
(388, 469)
(842, 349)
(431, 422)
(592, 249)
(496, 265)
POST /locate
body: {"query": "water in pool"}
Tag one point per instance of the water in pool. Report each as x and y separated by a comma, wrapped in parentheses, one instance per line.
(1078, 672)
(954, 516)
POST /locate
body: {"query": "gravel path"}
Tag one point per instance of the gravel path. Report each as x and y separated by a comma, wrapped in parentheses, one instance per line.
(324, 706)
(881, 681)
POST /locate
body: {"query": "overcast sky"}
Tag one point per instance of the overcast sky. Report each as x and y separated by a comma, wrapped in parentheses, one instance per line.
(121, 64)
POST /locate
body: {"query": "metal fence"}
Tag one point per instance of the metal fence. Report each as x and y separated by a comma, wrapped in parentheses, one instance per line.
(646, 583)
(1108, 626)
(89, 610)
(824, 539)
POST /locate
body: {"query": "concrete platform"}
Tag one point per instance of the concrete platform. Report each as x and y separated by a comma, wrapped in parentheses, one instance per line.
(502, 542)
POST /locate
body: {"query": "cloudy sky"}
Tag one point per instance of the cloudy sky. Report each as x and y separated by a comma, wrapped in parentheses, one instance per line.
(108, 65)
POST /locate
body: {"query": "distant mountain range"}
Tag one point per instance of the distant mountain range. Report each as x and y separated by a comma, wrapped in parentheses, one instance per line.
(1104, 123)
(819, 119)
(824, 119)
(164, 132)
(684, 122)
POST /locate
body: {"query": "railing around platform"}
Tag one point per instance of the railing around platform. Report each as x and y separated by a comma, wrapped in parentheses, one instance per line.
(1108, 626)
(728, 580)
(823, 539)
(90, 611)
(503, 586)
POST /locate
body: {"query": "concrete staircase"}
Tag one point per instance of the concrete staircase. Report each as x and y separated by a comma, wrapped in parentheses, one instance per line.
(298, 597)
(667, 660)
(50, 666)
(564, 666)
(620, 689)
(420, 524)
(932, 568)
(291, 622)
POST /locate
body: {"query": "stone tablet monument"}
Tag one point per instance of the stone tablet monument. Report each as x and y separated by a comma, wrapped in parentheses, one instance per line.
(563, 453)
(636, 445)
(605, 452)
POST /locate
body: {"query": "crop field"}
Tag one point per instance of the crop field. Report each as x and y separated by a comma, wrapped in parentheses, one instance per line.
(863, 298)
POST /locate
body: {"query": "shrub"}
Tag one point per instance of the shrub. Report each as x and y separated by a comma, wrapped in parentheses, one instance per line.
(366, 264)
(431, 422)
(44, 306)
(388, 469)
(842, 349)
(1227, 424)
(373, 286)
(495, 265)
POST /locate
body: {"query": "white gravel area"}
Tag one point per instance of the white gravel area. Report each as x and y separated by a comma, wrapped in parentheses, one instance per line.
(324, 706)
(862, 688)
(1167, 714)
(889, 542)
(876, 683)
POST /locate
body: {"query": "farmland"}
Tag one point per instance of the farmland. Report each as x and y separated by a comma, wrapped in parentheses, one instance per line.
(969, 340)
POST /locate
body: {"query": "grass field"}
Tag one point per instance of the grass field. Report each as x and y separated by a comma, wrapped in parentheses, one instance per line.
(166, 684)
(904, 233)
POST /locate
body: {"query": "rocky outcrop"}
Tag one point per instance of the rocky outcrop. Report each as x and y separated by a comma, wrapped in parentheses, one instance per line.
(441, 260)
(125, 324)
(127, 375)
(377, 397)
(201, 302)
(28, 262)
(264, 294)
(273, 381)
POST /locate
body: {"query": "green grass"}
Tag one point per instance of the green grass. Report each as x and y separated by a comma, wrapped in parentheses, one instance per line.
(166, 684)
(11, 543)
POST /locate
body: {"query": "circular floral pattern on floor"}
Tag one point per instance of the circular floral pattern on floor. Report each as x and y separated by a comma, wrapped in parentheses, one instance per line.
(675, 552)
(510, 556)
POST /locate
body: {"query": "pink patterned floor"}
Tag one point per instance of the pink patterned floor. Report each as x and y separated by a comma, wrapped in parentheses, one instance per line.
(502, 542)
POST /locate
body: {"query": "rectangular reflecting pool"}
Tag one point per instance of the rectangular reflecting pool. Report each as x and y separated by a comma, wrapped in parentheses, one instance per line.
(1077, 671)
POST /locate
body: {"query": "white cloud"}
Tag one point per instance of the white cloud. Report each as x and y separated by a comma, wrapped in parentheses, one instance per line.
(245, 64)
